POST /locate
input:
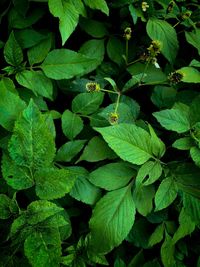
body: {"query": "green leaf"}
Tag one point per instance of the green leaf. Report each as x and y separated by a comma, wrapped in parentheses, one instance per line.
(72, 124)
(69, 150)
(83, 190)
(37, 82)
(94, 28)
(158, 147)
(115, 50)
(17, 177)
(143, 198)
(43, 248)
(112, 219)
(193, 38)
(148, 173)
(186, 227)
(98, 4)
(29, 37)
(32, 143)
(195, 111)
(192, 207)
(65, 64)
(53, 183)
(5, 212)
(119, 263)
(190, 75)
(112, 176)
(184, 143)
(96, 150)
(195, 155)
(11, 106)
(12, 51)
(167, 251)
(131, 143)
(163, 96)
(38, 211)
(37, 53)
(68, 17)
(87, 103)
(174, 119)
(166, 193)
(162, 31)
(157, 236)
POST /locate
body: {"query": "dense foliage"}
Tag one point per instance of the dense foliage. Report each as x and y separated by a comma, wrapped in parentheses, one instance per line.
(100, 133)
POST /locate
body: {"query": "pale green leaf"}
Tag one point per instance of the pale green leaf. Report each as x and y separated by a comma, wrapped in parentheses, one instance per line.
(158, 147)
(148, 173)
(157, 236)
(96, 150)
(87, 103)
(112, 176)
(83, 190)
(53, 183)
(195, 155)
(166, 193)
(98, 4)
(69, 150)
(143, 198)
(173, 119)
(112, 219)
(5, 212)
(162, 31)
(11, 106)
(32, 143)
(37, 82)
(12, 51)
(65, 64)
(72, 124)
(131, 143)
(184, 143)
(190, 75)
(186, 227)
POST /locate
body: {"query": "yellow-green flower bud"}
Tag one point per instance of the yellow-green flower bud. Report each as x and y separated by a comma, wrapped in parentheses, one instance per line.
(144, 6)
(113, 118)
(93, 87)
(127, 33)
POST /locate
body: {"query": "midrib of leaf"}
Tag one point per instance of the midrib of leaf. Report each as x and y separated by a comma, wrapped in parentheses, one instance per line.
(88, 104)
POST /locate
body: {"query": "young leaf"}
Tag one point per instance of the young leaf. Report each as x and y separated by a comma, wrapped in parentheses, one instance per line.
(112, 219)
(158, 147)
(96, 150)
(53, 183)
(72, 124)
(69, 150)
(11, 106)
(65, 64)
(83, 190)
(112, 176)
(32, 143)
(37, 82)
(184, 143)
(87, 103)
(131, 143)
(166, 193)
(174, 119)
(98, 4)
(162, 31)
(12, 51)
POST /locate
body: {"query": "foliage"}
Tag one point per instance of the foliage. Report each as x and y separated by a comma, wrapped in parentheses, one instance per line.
(100, 133)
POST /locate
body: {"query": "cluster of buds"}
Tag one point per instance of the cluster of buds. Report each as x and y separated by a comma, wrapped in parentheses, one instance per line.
(144, 6)
(170, 6)
(154, 48)
(127, 33)
(186, 15)
(93, 87)
(175, 77)
(113, 118)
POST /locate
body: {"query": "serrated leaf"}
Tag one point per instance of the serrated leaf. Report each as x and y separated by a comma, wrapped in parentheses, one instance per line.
(83, 190)
(5, 212)
(32, 143)
(112, 219)
(12, 51)
(87, 103)
(190, 75)
(174, 119)
(69, 150)
(11, 106)
(184, 143)
(96, 150)
(65, 64)
(98, 4)
(53, 183)
(143, 198)
(167, 251)
(115, 50)
(148, 173)
(112, 176)
(43, 248)
(158, 147)
(162, 31)
(37, 82)
(191, 205)
(195, 155)
(166, 193)
(157, 236)
(163, 96)
(194, 111)
(93, 49)
(94, 28)
(131, 143)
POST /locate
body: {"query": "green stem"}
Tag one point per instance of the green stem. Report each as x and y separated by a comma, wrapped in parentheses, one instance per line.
(133, 62)
(109, 91)
(117, 103)
(176, 24)
(146, 66)
(126, 51)
(154, 83)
